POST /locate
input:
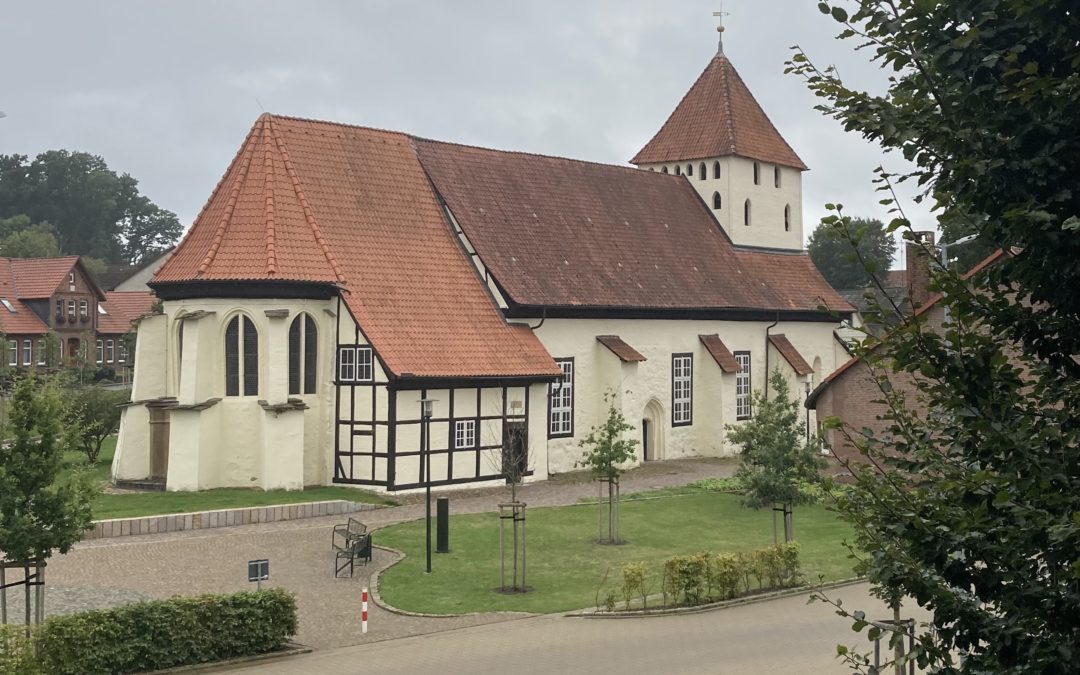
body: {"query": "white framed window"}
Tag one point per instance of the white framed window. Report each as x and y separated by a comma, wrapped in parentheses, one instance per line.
(109, 353)
(121, 347)
(27, 352)
(100, 351)
(464, 434)
(84, 309)
(346, 364)
(71, 309)
(241, 357)
(13, 352)
(561, 401)
(682, 389)
(355, 364)
(742, 386)
(365, 371)
(41, 352)
(71, 281)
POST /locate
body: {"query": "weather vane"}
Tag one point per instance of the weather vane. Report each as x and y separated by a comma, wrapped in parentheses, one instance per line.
(720, 27)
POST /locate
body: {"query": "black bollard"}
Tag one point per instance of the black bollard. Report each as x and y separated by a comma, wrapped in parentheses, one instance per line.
(442, 525)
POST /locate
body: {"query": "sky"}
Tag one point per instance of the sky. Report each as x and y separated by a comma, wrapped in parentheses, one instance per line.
(167, 90)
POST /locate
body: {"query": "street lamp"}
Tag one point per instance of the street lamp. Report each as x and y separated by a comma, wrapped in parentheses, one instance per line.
(426, 407)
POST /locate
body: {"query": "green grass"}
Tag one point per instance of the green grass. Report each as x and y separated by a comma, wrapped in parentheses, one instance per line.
(136, 504)
(565, 566)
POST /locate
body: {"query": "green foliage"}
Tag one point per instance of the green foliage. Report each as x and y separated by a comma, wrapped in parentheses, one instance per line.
(725, 575)
(606, 446)
(160, 634)
(852, 251)
(33, 241)
(707, 577)
(92, 414)
(92, 210)
(968, 501)
(777, 460)
(42, 508)
(16, 652)
(633, 575)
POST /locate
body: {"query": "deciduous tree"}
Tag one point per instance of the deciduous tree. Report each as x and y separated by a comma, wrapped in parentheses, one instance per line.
(845, 267)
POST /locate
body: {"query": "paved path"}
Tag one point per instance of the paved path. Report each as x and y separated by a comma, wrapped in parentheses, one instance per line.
(111, 571)
(785, 636)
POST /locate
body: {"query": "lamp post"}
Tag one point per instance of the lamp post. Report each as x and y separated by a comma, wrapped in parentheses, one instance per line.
(426, 406)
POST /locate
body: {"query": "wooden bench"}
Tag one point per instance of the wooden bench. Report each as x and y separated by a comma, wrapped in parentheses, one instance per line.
(351, 543)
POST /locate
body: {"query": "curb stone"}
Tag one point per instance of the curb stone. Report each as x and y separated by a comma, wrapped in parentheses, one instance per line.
(289, 649)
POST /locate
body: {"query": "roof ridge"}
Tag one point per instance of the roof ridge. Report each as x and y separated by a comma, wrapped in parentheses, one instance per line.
(681, 100)
(234, 194)
(268, 194)
(725, 76)
(309, 213)
(768, 119)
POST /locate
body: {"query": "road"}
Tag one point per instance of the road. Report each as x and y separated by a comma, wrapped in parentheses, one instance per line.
(785, 636)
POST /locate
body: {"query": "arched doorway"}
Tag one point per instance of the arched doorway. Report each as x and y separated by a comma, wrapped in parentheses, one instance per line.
(652, 431)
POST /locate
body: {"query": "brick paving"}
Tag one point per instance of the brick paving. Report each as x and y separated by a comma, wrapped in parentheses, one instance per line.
(112, 571)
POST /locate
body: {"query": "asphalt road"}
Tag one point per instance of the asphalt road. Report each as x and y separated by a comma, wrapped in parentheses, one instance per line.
(785, 636)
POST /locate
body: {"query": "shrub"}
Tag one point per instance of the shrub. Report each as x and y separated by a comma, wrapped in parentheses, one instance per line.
(16, 652)
(165, 633)
(634, 582)
(726, 574)
(693, 579)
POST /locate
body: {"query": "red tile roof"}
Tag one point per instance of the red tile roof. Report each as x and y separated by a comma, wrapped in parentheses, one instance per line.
(122, 308)
(618, 347)
(39, 277)
(720, 353)
(22, 321)
(558, 232)
(790, 354)
(315, 201)
(718, 117)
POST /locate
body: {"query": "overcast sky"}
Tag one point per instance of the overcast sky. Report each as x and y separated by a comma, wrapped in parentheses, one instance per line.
(167, 90)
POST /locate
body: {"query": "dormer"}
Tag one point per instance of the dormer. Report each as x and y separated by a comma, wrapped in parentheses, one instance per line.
(722, 142)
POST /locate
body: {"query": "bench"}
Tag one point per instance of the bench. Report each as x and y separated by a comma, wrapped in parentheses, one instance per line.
(351, 542)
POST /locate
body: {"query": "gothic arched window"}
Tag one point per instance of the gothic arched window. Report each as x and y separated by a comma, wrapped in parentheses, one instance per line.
(702, 175)
(716, 201)
(303, 354)
(716, 169)
(241, 357)
(746, 213)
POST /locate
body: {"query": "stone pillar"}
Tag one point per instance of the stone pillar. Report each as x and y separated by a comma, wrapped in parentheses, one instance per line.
(132, 458)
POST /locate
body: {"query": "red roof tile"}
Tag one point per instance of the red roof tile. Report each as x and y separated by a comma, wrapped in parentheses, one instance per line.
(122, 308)
(717, 117)
(720, 353)
(315, 201)
(625, 352)
(40, 277)
(557, 232)
(790, 354)
(22, 321)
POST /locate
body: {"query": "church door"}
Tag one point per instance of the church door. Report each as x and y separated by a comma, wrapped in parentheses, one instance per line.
(646, 440)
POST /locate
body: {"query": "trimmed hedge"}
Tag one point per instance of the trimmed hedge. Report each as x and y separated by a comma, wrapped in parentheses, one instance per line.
(166, 633)
(16, 652)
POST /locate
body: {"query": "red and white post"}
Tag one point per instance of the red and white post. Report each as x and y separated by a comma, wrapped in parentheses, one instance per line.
(363, 612)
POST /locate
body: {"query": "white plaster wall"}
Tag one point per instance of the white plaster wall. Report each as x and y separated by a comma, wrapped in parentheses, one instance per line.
(735, 185)
(131, 461)
(637, 384)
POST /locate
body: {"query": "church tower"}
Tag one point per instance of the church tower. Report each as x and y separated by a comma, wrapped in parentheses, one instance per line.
(720, 140)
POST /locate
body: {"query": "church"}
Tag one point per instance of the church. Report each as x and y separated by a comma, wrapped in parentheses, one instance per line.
(339, 275)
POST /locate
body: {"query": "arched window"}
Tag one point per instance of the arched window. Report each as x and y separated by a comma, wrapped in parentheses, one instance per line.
(776, 176)
(678, 170)
(241, 357)
(702, 175)
(664, 169)
(716, 201)
(746, 213)
(787, 217)
(652, 168)
(716, 169)
(303, 354)
(757, 173)
(689, 169)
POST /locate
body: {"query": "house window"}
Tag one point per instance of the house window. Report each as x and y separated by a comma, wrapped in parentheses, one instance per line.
(41, 352)
(59, 309)
(561, 401)
(13, 352)
(702, 175)
(71, 281)
(100, 351)
(716, 169)
(776, 176)
(757, 173)
(27, 354)
(742, 386)
(109, 352)
(122, 347)
(787, 217)
(241, 357)
(746, 213)
(464, 434)
(71, 309)
(717, 202)
(355, 364)
(84, 309)
(303, 354)
(682, 389)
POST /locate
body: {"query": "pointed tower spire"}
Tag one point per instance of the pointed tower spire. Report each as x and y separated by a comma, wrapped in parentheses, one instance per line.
(720, 29)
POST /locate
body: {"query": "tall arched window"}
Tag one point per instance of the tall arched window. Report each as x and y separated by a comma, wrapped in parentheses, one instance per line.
(689, 169)
(716, 169)
(678, 170)
(702, 175)
(241, 357)
(664, 169)
(757, 173)
(303, 354)
(776, 176)
(787, 217)
(716, 201)
(746, 213)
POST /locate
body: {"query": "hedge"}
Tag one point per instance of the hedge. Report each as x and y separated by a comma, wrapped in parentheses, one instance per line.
(16, 653)
(165, 633)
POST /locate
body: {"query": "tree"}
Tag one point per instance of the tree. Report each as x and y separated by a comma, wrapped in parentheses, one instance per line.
(41, 508)
(93, 211)
(606, 449)
(969, 506)
(93, 413)
(35, 241)
(778, 462)
(844, 267)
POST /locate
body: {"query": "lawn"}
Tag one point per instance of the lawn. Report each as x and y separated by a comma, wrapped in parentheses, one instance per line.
(135, 504)
(565, 567)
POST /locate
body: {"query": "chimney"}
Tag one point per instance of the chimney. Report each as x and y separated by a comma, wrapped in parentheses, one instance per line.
(918, 267)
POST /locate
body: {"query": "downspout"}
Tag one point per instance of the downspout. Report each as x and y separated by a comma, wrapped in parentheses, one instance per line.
(767, 329)
(543, 318)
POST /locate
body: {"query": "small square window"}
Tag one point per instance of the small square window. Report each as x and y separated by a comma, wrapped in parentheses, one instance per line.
(464, 434)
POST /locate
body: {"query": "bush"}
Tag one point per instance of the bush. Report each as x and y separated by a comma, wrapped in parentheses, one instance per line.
(16, 652)
(166, 633)
(725, 575)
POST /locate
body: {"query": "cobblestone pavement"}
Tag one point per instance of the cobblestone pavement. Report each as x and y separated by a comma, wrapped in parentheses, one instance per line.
(113, 571)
